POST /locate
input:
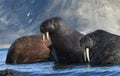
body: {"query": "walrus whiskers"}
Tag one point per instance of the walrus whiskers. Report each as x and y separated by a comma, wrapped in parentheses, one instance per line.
(87, 54)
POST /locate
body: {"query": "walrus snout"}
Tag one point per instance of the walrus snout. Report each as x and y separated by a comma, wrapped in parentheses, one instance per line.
(86, 43)
(46, 27)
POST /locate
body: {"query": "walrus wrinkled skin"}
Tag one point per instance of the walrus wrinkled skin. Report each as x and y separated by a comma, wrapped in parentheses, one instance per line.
(65, 41)
(28, 49)
(104, 48)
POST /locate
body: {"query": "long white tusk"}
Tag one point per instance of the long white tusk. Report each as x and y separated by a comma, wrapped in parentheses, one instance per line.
(87, 54)
(43, 37)
(47, 34)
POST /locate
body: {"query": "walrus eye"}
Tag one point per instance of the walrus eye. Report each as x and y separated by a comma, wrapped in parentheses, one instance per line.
(46, 35)
(86, 55)
(53, 27)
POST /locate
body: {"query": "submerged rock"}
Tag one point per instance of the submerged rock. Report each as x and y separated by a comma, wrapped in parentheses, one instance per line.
(6, 72)
(9, 72)
(29, 49)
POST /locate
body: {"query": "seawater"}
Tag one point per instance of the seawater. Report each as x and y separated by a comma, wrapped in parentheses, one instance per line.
(46, 69)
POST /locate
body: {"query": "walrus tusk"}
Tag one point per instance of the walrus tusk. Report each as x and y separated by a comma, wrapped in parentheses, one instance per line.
(47, 35)
(87, 54)
(43, 37)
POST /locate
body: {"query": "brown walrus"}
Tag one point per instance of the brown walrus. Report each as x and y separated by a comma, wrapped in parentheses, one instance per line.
(29, 49)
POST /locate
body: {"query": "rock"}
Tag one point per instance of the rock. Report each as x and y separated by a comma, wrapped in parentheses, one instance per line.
(10, 72)
(6, 72)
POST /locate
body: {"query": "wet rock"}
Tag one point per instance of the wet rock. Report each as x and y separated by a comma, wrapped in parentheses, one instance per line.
(10, 72)
(6, 72)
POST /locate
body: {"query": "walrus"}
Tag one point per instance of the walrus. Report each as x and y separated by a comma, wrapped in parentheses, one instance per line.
(65, 41)
(29, 49)
(103, 47)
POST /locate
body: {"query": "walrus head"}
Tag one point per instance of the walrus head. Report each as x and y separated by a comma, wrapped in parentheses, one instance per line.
(86, 43)
(51, 26)
(47, 27)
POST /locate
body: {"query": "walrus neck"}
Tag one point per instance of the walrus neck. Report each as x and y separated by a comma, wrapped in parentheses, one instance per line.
(65, 30)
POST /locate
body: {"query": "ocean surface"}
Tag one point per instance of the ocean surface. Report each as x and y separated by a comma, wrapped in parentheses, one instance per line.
(46, 69)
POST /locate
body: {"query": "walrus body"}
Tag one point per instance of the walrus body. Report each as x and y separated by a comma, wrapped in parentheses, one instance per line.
(28, 49)
(65, 40)
(104, 47)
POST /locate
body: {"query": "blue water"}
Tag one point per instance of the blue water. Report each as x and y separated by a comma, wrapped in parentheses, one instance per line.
(46, 69)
